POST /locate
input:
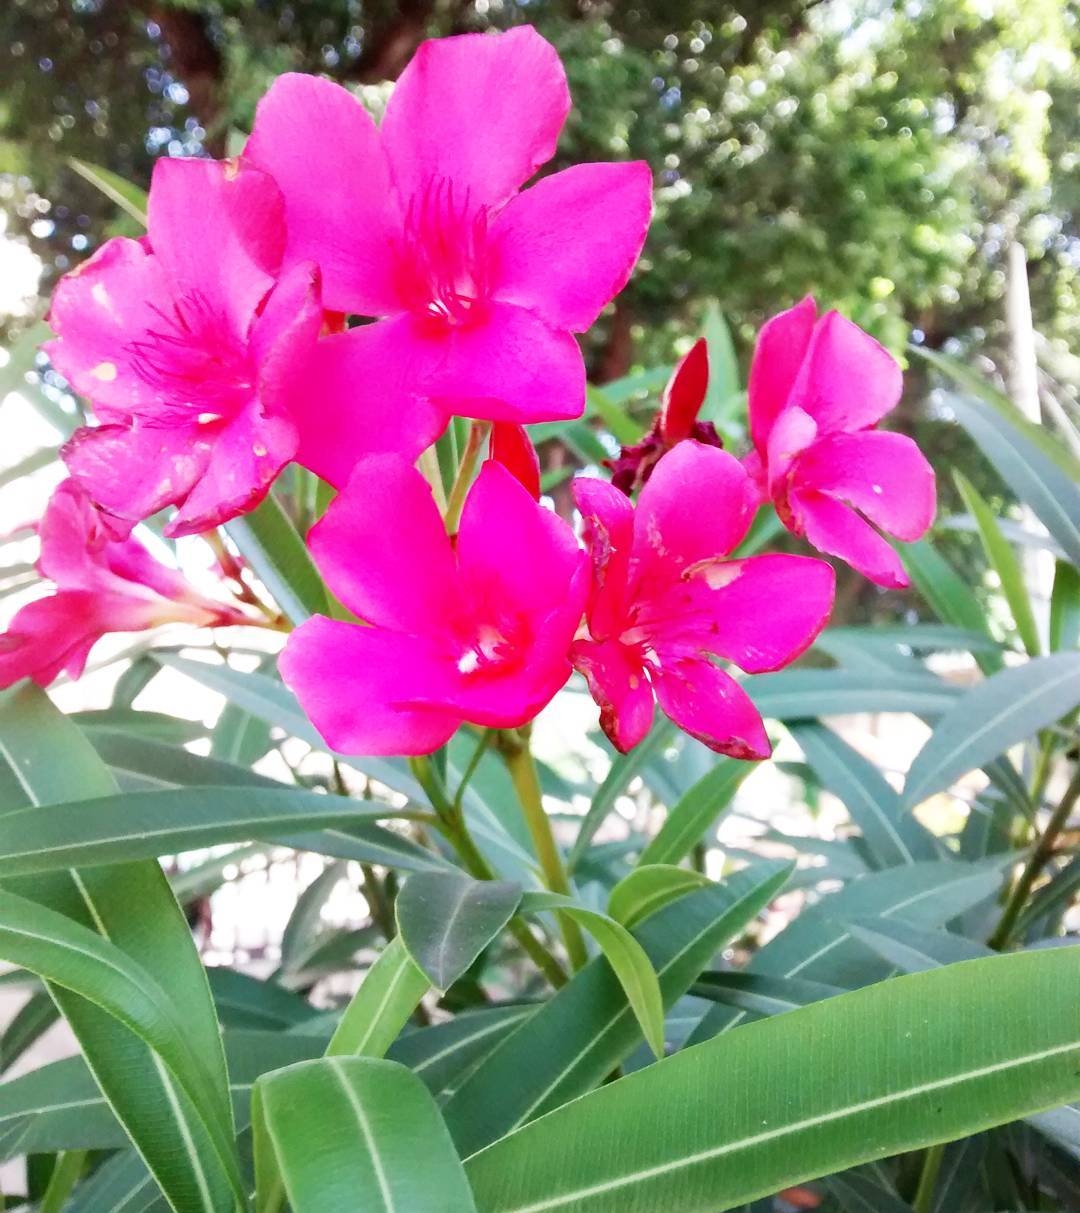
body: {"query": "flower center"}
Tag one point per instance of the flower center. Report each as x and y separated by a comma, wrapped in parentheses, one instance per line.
(194, 361)
(442, 263)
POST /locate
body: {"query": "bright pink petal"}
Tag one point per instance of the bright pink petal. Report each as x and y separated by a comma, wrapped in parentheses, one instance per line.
(884, 475)
(481, 110)
(508, 365)
(760, 613)
(711, 706)
(685, 394)
(778, 354)
(566, 247)
(847, 380)
(618, 683)
(97, 311)
(131, 472)
(697, 505)
(357, 398)
(513, 551)
(512, 447)
(246, 455)
(72, 539)
(350, 681)
(50, 635)
(834, 529)
(323, 149)
(384, 551)
(792, 433)
(218, 229)
(608, 519)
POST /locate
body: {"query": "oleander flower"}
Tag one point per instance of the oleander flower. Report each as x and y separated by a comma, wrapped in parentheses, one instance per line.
(818, 387)
(475, 628)
(420, 222)
(191, 349)
(102, 585)
(666, 599)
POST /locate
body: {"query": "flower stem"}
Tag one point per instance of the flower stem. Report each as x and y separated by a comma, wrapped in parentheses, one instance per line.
(478, 433)
(1038, 859)
(924, 1195)
(428, 463)
(517, 755)
(451, 824)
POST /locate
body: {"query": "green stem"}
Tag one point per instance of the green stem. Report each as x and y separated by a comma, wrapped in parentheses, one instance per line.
(481, 749)
(517, 755)
(428, 463)
(478, 433)
(451, 824)
(924, 1195)
(1040, 856)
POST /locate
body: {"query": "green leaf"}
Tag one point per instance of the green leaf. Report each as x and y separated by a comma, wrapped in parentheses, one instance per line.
(272, 546)
(723, 365)
(163, 1124)
(914, 1073)
(991, 717)
(304, 925)
(129, 198)
(1004, 562)
(32, 463)
(66, 1171)
(575, 1039)
(599, 404)
(807, 694)
(387, 996)
(892, 837)
(761, 994)
(446, 920)
(22, 357)
(912, 950)
(949, 595)
(441, 1054)
(78, 959)
(623, 769)
(1033, 472)
(154, 726)
(143, 824)
(1065, 607)
(359, 1134)
(625, 955)
(695, 812)
(32, 1020)
(649, 888)
(862, 1192)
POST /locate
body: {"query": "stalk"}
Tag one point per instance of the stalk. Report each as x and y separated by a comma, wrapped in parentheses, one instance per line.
(478, 434)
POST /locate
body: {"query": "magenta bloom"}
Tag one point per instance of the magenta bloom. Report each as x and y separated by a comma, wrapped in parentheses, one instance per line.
(817, 389)
(664, 599)
(102, 585)
(472, 629)
(421, 222)
(190, 349)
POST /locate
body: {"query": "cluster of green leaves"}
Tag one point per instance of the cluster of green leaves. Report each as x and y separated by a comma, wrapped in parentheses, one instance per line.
(921, 994)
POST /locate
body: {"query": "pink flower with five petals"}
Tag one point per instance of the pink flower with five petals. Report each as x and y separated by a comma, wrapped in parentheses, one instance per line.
(818, 386)
(102, 585)
(665, 598)
(420, 222)
(476, 628)
(190, 348)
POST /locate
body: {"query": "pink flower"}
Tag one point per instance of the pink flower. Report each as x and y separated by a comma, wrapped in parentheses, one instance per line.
(421, 222)
(676, 421)
(190, 348)
(664, 599)
(817, 389)
(102, 585)
(472, 629)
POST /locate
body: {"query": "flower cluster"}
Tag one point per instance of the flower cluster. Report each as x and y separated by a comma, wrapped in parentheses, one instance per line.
(333, 297)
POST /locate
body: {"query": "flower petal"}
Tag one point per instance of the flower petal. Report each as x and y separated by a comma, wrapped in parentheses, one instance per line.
(481, 110)
(711, 706)
(131, 472)
(50, 635)
(246, 456)
(684, 393)
(620, 687)
(97, 311)
(230, 208)
(884, 475)
(781, 346)
(357, 400)
(350, 679)
(566, 247)
(508, 365)
(834, 529)
(512, 447)
(323, 149)
(847, 381)
(608, 519)
(697, 505)
(384, 551)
